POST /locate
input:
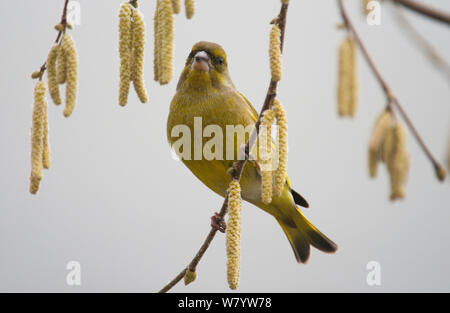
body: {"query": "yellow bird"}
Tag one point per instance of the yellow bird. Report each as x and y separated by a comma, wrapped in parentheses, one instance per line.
(206, 91)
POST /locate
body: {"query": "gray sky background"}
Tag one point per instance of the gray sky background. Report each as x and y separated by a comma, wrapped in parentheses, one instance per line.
(115, 201)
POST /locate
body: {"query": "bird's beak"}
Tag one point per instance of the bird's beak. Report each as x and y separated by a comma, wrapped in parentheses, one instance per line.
(201, 62)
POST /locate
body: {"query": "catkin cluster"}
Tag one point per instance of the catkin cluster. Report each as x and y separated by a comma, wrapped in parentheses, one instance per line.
(131, 51)
(233, 234)
(163, 54)
(272, 181)
(40, 150)
(388, 144)
(62, 68)
(347, 90)
(275, 53)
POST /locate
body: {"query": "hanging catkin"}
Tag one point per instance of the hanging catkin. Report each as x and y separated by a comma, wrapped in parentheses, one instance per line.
(61, 73)
(397, 160)
(37, 135)
(70, 52)
(379, 131)
(233, 234)
(53, 86)
(176, 6)
(157, 41)
(165, 23)
(266, 156)
(275, 53)
(281, 170)
(124, 51)
(347, 78)
(137, 67)
(45, 139)
(189, 6)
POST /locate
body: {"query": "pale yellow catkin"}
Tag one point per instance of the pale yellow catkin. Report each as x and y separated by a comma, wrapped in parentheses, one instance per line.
(347, 91)
(233, 234)
(61, 73)
(53, 86)
(45, 139)
(157, 41)
(266, 156)
(37, 134)
(281, 170)
(70, 52)
(189, 6)
(176, 6)
(285, 1)
(275, 53)
(382, 125)
(124, 51)
(397, 159)
(137, 70)
(166, 42)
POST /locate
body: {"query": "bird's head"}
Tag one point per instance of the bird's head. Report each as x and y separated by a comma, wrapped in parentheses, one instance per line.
(206, 67)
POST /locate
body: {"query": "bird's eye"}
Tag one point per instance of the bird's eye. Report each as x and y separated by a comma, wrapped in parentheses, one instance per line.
(220, 60)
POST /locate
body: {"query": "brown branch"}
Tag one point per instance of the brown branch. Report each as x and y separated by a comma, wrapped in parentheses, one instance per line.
(58, 37)
(421, 42)
(393, 101)
(425, 10)
(238, 166)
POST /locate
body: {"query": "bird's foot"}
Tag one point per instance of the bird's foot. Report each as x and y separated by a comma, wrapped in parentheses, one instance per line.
(218, 223)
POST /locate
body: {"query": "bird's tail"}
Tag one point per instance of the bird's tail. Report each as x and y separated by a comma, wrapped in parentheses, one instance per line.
(301, 234)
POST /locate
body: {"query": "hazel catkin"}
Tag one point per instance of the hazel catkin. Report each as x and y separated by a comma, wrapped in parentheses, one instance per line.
(382, 125)
(61, 73)
(275, 53)
(347, 91)
(37, 134)
(266, 155)
(189, 6)
(165, 42)
(281, 170)
(233, 234)
(176, 6)
(137, 67)
(125, 51)
(397, 159)
(70, 52)
(53, 86)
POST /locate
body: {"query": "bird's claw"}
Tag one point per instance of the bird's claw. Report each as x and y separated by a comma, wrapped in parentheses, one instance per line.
(218, 223)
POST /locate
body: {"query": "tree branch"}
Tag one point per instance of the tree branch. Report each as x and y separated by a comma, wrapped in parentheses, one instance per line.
(58, 37)
(393, 101)
(421, 42)
(425, 10)
(238, 166)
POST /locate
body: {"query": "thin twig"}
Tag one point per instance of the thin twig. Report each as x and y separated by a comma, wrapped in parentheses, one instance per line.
(425, 46)
(387, 89)
(425, 10)
(58, 37)
(238, 166)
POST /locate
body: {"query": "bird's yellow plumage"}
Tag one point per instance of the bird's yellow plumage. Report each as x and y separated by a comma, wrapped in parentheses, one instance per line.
(205, 90)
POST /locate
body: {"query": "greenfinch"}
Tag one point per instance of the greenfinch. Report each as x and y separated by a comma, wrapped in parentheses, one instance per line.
(205, 91)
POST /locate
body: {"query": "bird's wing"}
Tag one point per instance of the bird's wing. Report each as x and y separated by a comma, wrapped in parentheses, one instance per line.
(250, 108)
